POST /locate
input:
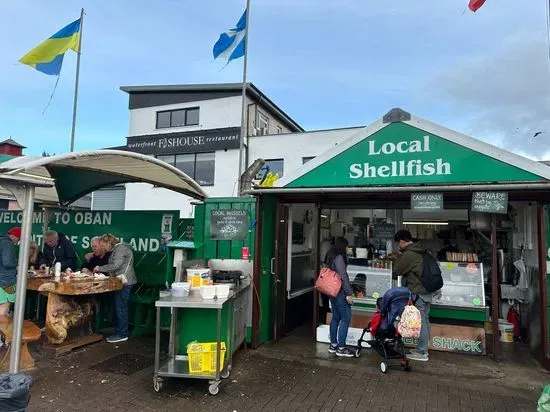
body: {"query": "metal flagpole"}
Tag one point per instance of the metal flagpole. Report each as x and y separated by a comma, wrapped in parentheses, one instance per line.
(244, 126)
(77, 77)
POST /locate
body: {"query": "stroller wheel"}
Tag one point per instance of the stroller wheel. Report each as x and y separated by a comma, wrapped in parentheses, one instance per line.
(407, 367)
(383, 367)
(357, 352)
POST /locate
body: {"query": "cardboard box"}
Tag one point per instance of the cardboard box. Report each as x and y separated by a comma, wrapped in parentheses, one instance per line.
(358, 320)
(353, 336)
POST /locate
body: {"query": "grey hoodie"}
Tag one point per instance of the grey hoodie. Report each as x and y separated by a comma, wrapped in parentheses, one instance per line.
(8, 262)
(121, 262)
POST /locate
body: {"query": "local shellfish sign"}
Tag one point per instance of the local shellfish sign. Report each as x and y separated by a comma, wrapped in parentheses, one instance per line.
(399, 168)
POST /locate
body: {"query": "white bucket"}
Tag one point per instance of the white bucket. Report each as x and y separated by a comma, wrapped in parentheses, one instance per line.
(505, 331)
(197, 277)
(208, 291)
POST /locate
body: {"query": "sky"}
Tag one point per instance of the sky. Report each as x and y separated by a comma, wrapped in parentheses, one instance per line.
(327, 63)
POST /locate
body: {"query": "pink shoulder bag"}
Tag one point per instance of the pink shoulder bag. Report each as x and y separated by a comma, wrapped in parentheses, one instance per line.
(329, 282)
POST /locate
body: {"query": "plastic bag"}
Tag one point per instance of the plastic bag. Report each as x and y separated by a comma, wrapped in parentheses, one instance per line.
(523, 283)
(14, 391)
(543, 405)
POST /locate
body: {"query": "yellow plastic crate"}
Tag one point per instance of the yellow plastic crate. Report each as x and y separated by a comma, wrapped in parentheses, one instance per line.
(202, 357)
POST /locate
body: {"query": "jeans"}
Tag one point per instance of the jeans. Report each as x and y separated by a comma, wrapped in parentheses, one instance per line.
(341, 318)
(120, 311)
(423, 305)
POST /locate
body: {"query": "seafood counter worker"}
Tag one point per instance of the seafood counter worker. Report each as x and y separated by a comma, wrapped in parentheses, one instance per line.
(58, 248)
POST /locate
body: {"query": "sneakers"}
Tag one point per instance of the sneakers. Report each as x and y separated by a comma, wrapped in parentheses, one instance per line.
(332, 348)
(344, 352)
(117, 339)
(418, 356)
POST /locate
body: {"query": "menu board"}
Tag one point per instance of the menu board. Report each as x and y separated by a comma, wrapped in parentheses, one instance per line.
(462, 285)
(383, 231)
(490, 202)
(427, 202)
(229, 224)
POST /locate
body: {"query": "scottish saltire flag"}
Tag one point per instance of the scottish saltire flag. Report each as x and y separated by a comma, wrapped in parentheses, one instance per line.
(47, 57)
(230, 45)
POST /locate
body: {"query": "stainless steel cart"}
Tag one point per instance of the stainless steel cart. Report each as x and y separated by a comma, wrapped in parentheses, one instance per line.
(177, 366)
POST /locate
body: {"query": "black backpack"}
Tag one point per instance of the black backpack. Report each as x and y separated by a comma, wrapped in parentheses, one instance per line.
(431, 273)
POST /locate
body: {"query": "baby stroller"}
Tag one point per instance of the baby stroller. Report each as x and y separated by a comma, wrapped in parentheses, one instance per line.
(385, 338)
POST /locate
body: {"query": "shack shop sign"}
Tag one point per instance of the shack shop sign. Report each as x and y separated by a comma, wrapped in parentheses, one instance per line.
(185, 142)
(401, 154)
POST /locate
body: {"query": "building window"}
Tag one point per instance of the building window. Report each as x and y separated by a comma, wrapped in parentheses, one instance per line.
(307, 159)
(279, 129)
(178, 118)
(198, 166)
(262, 121)
(276, 166)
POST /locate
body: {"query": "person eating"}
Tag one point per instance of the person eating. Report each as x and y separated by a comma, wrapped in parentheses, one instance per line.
(58, 248)
(97, 257)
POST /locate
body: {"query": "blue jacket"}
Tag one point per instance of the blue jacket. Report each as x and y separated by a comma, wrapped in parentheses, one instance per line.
(393, 304)
(8, 262)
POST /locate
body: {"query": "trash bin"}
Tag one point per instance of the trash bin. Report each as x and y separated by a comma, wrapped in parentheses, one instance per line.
(14, 391)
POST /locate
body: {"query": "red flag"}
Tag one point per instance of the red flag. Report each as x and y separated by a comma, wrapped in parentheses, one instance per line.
(475, 5)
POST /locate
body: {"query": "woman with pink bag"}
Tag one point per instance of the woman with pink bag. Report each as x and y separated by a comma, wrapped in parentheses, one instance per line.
(336, 259)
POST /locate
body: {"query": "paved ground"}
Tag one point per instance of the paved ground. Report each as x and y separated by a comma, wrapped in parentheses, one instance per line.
(294, 375)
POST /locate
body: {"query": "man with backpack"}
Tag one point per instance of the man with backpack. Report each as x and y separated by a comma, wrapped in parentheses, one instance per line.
(419, 273)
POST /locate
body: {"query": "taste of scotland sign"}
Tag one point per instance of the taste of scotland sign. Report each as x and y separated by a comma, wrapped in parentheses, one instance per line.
(185, 142)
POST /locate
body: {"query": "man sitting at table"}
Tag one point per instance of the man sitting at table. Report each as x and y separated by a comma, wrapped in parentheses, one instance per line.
(97, 257)
(58, 248)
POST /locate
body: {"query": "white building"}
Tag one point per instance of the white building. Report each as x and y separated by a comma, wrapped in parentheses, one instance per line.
(196, 128)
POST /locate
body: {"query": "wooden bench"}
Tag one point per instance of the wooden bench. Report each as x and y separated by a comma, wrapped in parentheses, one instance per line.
(31, 333)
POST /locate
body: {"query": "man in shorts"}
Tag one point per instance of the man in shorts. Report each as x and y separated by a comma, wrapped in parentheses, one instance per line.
(8, 269)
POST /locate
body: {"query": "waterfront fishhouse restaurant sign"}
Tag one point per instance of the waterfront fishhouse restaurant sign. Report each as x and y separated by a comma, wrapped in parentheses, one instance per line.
(185, 142)
(410, 153)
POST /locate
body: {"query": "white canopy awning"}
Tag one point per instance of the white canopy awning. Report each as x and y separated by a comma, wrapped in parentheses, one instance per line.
(77, 174)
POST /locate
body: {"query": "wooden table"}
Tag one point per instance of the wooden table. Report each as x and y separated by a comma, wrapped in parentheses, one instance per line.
(70, 308)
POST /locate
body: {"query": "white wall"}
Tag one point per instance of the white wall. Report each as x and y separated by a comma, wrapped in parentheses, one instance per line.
(213, 114)
(293, 147)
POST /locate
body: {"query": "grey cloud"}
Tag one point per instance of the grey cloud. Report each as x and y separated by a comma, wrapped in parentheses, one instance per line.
(504, 95)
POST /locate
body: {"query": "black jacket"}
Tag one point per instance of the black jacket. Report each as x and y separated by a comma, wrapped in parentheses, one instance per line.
(96, 261)
(64, 252)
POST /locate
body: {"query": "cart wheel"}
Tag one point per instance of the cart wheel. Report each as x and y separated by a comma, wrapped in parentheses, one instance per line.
(225, 374)
(383, 367)
(408, 367)
(157, 383)
(214, 388)
(357, 352)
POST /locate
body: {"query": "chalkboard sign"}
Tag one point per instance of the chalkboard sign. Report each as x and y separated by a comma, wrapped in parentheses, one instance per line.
(187, 227)
(490, 202)
(427, 202)
(383, 231)
(229, 224)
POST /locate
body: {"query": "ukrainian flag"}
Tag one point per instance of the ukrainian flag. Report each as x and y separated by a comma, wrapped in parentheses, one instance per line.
(47, 57)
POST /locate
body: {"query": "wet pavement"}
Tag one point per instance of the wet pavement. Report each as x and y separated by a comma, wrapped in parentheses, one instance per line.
(293, 375)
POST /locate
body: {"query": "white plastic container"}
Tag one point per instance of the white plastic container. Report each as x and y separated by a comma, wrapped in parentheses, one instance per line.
(180, 289)
(208, 291)
(506, 331)
(165, 293)
(222, 290)
(197, 277)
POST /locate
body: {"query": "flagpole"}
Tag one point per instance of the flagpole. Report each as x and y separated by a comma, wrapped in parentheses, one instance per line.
(75, 102)
(244, 126)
